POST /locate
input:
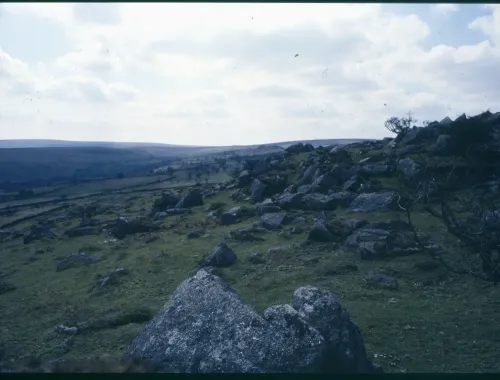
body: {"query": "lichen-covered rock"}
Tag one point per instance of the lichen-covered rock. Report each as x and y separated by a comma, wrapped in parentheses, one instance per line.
(371, 250)
(321, 234)
(273, 221)
(267, 207)
(323, 183)
(168, 199)
(308, 175)
(206, 327)
(368, 202)
(192, 199)
(409, 168)
(124, 226)
(289, 201)
(244, 179)
(257, 190)
(322, 202)
(222, 256)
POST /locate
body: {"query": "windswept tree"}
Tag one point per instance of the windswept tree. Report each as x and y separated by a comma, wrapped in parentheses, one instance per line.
(400, 126)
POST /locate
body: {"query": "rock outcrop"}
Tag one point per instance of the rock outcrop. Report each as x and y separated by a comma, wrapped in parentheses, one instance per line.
(206, 327)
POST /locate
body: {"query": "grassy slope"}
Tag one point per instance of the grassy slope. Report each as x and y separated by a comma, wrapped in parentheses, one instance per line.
(435, 322)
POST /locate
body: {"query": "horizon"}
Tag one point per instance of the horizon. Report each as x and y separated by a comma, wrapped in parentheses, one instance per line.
(262, 74)
(175, 145)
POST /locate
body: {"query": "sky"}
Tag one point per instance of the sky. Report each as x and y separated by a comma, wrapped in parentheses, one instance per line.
(224, 74)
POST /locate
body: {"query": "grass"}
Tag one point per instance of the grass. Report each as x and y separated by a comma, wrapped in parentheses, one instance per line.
(435, 322)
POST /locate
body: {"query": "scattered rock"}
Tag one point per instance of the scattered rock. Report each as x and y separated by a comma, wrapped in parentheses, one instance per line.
(366, 235)
(371, 250)
(299, 148)
(418, 135)
(289, 201)
(75, 260)
(66, 330)
(369, 202)
(222, 256)
(321, 234)
(380, 280)
(177, 211)
(321, 202)
(255, 258)
(215, 206)
(257, 190)
(234, 215)
(278, 250)
(299, 220)
(323, 184)
(192, 199)
(352, 185)
(339, 154)
(39, 232)
(244, 235)
(193, 235)
(160, 215)
(82, 231)
(167, 200)
(273, 221)
(443, 146)
(111, 278)
(124, 226)
(244, 179)
(406, 150)
(356, 224)
(307, 177)
(409, 169)
(373, 170)
(373, 159)
(267, 207)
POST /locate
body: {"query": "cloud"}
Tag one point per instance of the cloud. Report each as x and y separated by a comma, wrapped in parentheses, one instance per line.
(445, 8)
(97, 13)
(277, 92)
(136, 72)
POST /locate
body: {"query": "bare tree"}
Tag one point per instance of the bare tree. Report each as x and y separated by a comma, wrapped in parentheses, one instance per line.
(479, 233)
(400, 126)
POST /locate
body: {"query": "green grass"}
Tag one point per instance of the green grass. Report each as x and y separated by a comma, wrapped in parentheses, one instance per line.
(435, 322)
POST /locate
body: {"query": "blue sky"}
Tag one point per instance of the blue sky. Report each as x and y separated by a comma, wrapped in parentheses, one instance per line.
(227, 73)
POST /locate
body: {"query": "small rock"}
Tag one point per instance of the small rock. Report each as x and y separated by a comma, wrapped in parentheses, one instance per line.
(380, 280)
(320, 233)
(255, 258)
(222, 256)
(112, 277)
(272, 221)
(371, 250)
(62, 329)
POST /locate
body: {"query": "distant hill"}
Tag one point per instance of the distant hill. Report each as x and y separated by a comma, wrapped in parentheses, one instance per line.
(42, 143)
(48, 162)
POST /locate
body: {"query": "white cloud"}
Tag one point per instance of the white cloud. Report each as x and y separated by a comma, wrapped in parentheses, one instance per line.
(228, 73)
(445, 8)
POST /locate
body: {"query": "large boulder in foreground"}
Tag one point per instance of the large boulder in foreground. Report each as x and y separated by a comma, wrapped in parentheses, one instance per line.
(206, 327)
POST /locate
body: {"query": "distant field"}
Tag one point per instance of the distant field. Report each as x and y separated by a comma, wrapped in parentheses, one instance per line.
(108, 184)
